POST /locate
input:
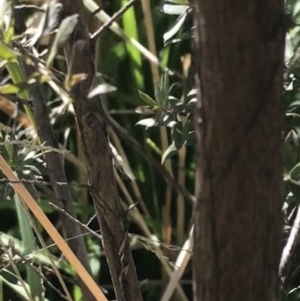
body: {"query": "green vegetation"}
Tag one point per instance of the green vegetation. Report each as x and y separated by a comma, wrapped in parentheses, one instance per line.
(145, 78)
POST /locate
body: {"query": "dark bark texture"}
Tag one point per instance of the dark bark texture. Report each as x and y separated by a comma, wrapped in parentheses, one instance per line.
(98, 156)
(239, 49)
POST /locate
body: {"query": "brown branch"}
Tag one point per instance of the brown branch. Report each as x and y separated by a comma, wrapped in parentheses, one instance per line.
(54, 163)
(98, 157)
(9, 108)
(110, 213)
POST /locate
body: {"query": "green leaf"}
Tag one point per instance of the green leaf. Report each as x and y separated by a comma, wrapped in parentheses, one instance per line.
(295, 174)
(28, 239)
(65, 30)
(6, 21)
(147, 122)
(166, 119)
(181, 37)
(173, 8)
(174, 30)
(7, 53)
(290, 150)
(9, 89)
(173, 101)
(157, 93)
(130, 26)
(190, 139)
(102, 89)
(144, 110)
(17, 288)
(165, 87)
(170, 151)
(1, 290)
(162, 90)
(147, 99)
(294, 294)
(177, 135)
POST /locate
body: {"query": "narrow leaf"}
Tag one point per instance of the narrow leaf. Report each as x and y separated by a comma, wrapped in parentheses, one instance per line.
(144, 110)
(102, 89)
(4, 6)
(170, 151)
(66, 28)
(179, 22)
(43, 23)
(171, 8)
(147, 99)
(148, 122)
(9, 89)
(52, 17)
(164, 86)
(36, 28)
(7, 53)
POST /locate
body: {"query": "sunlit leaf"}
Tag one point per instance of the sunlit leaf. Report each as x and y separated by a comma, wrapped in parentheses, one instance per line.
(193, 92)
(170, 151)
(77, 78)
(52, 18)
(7, 53)
(9, 89)
(293, 295)
(172, 8)
(18, 289)
(9, 33)
(4, 7)
(36, 29)
(166, 119)
(290, 150)
(5, 18)
(144, 110)
(295, 174)
(43, 23)
(65, 30)
(147, 122)
(173, 101)
(178, 24)
(102, 89)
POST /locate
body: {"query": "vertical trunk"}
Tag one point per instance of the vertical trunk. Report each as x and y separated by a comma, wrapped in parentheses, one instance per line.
(98, 158)
(239, 64)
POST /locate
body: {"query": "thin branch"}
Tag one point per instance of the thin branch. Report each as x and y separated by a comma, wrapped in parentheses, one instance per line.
(54, 163)
(118, 14)
(48, 226)
(103, 17)
(83, 226)
(135, 145)
(38, 182)
(25, 260)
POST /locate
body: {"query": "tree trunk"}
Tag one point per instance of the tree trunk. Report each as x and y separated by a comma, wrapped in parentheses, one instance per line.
(239, 48)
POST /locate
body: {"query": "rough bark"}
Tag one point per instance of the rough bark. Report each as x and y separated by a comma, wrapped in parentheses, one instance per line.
(98, 157)
(239, 65)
